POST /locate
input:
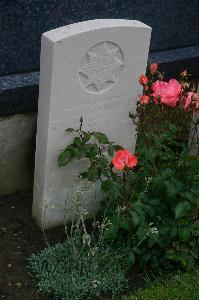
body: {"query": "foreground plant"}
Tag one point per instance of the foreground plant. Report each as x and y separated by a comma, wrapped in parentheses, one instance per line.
(84, 266)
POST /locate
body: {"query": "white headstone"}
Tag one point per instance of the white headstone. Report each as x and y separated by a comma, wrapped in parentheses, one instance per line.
(91, 69)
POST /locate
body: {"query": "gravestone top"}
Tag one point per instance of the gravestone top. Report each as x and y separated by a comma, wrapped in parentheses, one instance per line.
(57, 34)
(88, 69)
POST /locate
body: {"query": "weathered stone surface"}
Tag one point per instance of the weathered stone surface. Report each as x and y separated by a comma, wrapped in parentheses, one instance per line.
(18, 93)
(90, 69)
(175, 24)
(17, 153)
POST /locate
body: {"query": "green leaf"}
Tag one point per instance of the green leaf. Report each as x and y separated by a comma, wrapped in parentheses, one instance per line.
(184, 234)
(173, 231)
(117, 147)
(149, 210)
(131, 258)
(77, 141)
(103, 161)
(90, 150)
(86, 137)
(123, 223)
(135, 218)
(138, 206)
(70, 130)
(111, 151)
(115, 193)
(152, 239)
(101, 137)
(94, 172)
(147, 256)
(64, 158)
(141, 232)
(111, 233)
(182, 209)
(106, 185)
(77, 153)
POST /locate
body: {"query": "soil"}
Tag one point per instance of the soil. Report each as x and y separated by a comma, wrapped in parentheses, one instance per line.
(19, 238)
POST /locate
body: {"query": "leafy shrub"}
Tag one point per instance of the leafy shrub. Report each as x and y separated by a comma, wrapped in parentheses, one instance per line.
(153, 207)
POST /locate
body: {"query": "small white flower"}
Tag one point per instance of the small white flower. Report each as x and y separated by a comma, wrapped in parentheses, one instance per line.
(118, 209)
(86, 239)
(124, 208)
(154, 230)
(95, 283)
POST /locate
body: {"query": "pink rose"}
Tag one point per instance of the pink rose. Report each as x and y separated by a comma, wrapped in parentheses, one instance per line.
(124, 158)
(144, 99)
(168, 92)
(143, 79)
(188, 100)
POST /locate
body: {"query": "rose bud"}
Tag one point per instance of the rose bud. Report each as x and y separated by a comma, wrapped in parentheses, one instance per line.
(144, 99)
(183, 73)
(153, 68)
(143, 79)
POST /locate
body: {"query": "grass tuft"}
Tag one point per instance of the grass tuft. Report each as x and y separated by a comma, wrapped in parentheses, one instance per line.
(183, 286)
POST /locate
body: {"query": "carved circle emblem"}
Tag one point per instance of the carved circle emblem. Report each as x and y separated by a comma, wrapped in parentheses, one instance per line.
(101, 67)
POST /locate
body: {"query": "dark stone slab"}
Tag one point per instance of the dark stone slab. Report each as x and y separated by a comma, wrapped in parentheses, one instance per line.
(172, 62)
(19, 93)
(175, 24)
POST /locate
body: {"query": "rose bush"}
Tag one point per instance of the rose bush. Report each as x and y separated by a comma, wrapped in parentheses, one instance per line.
(152, 196)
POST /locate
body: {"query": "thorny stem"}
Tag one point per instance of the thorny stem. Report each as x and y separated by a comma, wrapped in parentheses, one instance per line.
(80, 132)
(124, 185)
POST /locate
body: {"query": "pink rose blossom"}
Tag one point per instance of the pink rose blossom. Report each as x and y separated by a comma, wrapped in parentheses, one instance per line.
(144, 99)
(124, 158)
(168, 92)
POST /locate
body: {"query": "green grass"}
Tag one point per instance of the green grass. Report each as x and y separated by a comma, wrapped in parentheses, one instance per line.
(179, 287)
